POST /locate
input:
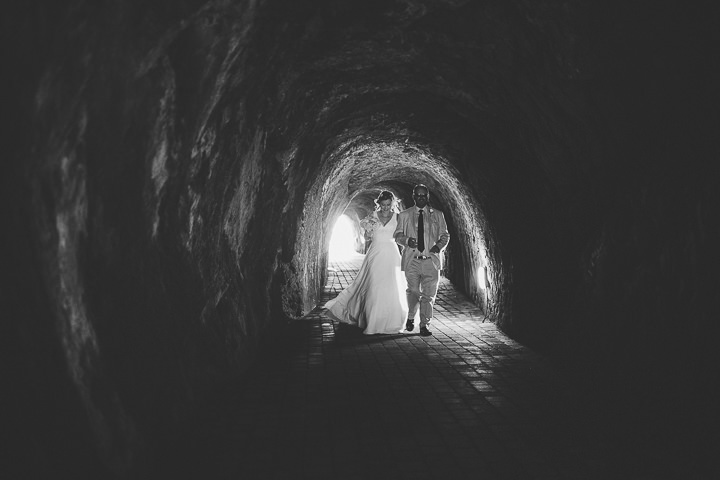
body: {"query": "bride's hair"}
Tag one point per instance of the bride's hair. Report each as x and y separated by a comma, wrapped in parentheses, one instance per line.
(386, 195)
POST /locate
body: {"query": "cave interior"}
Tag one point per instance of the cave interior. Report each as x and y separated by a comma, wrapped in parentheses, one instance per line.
(176, 168)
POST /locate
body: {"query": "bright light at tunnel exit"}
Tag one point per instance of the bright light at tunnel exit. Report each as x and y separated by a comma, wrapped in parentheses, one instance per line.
(342, 241)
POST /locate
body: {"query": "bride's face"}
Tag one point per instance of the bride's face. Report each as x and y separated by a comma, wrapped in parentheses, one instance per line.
(385, 206)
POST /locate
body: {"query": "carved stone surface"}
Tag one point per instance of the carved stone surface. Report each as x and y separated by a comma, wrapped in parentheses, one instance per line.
(175, 171)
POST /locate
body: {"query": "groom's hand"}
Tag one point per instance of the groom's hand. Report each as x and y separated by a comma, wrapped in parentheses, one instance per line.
(412, 243)
(434, 249)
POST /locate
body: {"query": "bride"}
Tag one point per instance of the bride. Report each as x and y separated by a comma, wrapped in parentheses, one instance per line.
(376, 300)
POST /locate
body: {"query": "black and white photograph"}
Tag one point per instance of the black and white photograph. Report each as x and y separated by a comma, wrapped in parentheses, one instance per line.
(360, 239)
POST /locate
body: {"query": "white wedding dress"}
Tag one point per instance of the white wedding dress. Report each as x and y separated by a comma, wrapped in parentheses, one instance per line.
(376, 300)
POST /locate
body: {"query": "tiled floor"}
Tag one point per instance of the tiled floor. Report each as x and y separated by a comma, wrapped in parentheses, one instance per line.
(468, 402)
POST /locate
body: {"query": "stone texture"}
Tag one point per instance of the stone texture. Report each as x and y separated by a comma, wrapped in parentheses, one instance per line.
(174, 172)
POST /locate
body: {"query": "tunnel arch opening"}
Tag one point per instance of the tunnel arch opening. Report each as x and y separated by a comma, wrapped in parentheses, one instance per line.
(354, 173)
(395, 138)
(346, 239)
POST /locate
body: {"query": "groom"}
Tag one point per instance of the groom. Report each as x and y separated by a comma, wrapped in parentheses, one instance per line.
(422, 230)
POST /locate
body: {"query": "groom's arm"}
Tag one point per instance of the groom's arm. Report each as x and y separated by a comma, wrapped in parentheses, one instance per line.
(444, 238)
(399, 235)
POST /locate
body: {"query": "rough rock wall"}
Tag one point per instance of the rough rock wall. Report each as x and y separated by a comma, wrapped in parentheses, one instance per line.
(647, 250)
(181, 164)
(146, 186)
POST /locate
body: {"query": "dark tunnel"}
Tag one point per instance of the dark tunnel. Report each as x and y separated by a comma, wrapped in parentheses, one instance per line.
(174, 170)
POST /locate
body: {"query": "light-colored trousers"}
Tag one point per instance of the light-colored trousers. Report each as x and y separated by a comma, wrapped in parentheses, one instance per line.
(422, 280)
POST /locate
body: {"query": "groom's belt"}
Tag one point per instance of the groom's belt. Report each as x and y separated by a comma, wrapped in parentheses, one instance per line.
(422, 257)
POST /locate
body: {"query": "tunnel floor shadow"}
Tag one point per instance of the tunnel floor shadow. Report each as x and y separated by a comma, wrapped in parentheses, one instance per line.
(468, 402)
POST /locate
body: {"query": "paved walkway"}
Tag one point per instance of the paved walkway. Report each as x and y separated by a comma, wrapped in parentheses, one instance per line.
(468, 402)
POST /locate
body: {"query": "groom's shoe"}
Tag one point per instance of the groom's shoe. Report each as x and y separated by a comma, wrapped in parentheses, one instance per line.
(410, 325)
(424, 332)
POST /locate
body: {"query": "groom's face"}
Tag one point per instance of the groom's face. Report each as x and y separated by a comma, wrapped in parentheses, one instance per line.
(421, 197)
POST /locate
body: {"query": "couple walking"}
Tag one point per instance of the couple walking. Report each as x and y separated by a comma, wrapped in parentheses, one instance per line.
(374, 301)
